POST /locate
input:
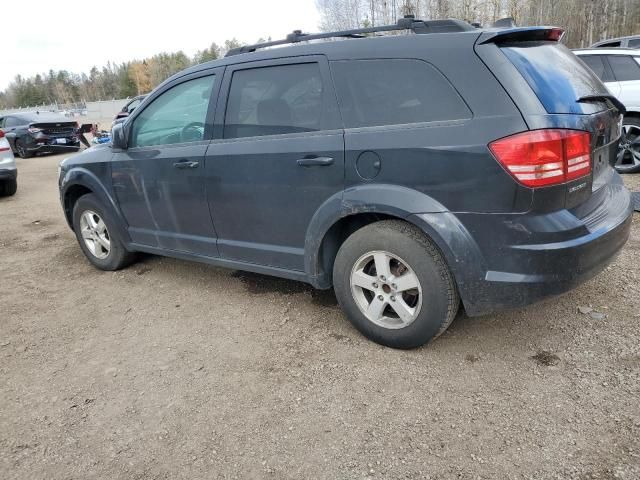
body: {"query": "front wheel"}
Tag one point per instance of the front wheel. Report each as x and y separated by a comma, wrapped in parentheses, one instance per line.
(97, 235)
(394, 285)
(628, 158)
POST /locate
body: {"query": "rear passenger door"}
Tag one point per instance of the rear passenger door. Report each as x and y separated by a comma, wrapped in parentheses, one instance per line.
(626, 70)
(277, 157)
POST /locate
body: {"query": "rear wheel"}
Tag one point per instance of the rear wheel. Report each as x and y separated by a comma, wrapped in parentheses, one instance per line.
(628, 159)
(394, 285)
(22, 151)
(97, 235)
(8, 188)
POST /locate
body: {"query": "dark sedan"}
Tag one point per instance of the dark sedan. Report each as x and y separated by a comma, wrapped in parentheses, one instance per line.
(40, 132)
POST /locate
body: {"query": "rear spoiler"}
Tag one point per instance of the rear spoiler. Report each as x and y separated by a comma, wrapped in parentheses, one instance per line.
(521, 34)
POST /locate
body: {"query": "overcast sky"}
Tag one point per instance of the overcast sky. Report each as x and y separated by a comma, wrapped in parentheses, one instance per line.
(76, 37)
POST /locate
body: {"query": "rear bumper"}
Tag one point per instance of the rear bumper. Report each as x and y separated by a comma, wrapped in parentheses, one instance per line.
(521, 259)
(8, 174)
(49, 145)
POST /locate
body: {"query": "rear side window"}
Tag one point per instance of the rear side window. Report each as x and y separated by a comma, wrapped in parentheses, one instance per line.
(556, 76)
(274, 101)
(609, 45)
(634, 43)
(13, 122)
(596, 63)
(624, 68)
(393, 92)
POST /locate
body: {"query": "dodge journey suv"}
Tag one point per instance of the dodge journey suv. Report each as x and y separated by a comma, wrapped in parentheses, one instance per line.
(413, 174)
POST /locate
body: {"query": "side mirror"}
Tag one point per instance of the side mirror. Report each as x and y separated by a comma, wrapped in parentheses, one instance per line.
(119, 136)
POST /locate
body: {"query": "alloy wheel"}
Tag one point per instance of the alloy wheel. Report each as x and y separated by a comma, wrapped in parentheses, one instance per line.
(386, 289)
(95, 234)
(629, 151)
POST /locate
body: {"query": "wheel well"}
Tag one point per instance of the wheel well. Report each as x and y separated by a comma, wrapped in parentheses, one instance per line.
(337, 234)
(71, 196)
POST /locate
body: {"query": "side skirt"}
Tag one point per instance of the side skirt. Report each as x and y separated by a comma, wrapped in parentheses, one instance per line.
(222, 262)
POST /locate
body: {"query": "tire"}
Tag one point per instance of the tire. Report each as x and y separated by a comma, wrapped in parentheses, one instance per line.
(22, 151)
(89, 209)
(434, 302)
(8, 188)
(628, 158)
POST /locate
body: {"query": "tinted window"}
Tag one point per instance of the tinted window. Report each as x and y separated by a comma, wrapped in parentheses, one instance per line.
(176, 116)
(634, 43)
(274, 100)
(624, 68)
(556, 76)
(13, 122)
(393, 92)
(595, 63)
(609, 45)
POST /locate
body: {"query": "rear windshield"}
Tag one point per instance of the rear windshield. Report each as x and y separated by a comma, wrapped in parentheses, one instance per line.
(556, 76)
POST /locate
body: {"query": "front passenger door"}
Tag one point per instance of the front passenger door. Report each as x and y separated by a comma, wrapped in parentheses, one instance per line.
(159, 178)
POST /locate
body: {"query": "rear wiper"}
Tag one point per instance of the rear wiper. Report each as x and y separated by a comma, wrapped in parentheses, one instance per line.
(598, 98)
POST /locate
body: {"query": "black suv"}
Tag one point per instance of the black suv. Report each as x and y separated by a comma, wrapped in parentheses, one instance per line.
(40, 132)
(411, 173)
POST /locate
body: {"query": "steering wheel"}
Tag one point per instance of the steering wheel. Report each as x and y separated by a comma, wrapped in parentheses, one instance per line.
(192, 132)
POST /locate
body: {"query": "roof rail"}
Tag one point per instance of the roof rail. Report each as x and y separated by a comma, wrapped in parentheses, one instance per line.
(408, 22)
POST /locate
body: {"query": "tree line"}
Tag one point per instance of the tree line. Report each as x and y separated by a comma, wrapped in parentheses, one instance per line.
(584, 21)
(111, 81)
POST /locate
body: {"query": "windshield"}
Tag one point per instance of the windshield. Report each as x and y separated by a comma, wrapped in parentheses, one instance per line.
(556, 76)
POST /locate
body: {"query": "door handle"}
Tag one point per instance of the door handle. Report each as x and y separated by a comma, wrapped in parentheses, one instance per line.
(186, 164)
(315, 161)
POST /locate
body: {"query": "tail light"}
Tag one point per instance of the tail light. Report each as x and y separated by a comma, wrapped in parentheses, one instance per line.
(4, 144)
(34, 129)
(545, 157)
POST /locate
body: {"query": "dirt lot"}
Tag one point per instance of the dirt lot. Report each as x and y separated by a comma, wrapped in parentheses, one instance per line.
(171, 369)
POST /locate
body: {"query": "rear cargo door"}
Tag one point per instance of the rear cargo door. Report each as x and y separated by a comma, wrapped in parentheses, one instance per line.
(554, 89)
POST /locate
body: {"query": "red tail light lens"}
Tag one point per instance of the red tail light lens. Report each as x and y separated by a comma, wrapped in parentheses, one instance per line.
(1, 134)
(545, 157)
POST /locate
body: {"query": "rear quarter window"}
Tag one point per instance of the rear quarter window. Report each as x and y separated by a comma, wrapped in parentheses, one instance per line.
(625, 68)
(556, 76)
(394, 92)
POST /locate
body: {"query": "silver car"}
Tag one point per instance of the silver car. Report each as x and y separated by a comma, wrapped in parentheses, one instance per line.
(8, 170)
(619, 69)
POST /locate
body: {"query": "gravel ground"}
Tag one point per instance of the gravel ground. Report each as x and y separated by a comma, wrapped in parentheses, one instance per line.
(175, 370)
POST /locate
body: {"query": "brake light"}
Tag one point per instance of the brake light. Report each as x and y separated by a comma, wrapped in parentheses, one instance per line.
(545, 157)
(4, 144)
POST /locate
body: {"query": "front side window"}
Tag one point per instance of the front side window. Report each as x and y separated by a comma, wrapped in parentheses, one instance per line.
(624, 68)
(393, 92)
(176, 116)
(634, 43)
(274, 101)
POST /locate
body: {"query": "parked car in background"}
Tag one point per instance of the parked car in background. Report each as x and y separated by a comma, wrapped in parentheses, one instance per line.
(40, 132)
(129, 107)
(411, 173)
(8, 170)
(619, 69)
(632, 41)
